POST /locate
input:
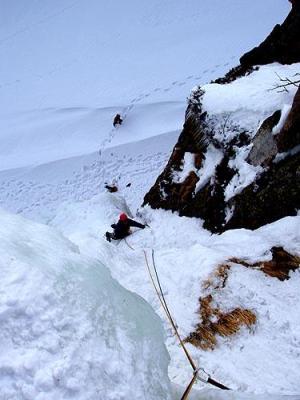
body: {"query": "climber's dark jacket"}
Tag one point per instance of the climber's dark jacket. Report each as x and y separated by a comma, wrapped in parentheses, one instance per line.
(122, 228)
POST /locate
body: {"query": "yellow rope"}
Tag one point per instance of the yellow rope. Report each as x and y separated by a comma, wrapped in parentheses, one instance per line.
(189, 388)
(171, 319)
(162, 300)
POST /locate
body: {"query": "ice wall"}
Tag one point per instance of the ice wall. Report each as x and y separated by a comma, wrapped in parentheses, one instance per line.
(68, 330)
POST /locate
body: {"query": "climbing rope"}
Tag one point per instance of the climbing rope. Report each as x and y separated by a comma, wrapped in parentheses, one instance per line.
(170, 317)
(198, 373)
(156, 290)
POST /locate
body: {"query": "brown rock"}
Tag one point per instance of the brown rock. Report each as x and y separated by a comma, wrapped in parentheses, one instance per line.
(199, 157)
(187, 188)
(278, 267)
(281, 264)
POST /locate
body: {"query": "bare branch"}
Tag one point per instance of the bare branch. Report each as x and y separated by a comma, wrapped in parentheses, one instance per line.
(286, 82)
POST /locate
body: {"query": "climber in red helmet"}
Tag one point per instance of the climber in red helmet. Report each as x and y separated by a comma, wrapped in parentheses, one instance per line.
(122, 228)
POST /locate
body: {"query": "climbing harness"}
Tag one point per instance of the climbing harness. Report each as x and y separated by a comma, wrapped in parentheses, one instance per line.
(198, 373)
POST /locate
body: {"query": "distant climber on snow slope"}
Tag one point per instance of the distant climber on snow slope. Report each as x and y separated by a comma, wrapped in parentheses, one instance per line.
(117, 120)
(122, 228)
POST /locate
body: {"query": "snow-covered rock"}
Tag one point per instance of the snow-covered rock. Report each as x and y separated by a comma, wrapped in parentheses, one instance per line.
(246, 122)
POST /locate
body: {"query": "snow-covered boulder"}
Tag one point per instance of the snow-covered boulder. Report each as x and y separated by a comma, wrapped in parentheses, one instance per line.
(68, 329)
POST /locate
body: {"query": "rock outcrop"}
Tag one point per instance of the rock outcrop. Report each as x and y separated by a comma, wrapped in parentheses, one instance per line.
(282, 45)
(274, 193)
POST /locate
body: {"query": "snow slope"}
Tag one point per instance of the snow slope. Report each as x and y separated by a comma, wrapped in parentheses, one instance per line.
(100, 54)
(32, 138)
(68, 330)
(66, 69)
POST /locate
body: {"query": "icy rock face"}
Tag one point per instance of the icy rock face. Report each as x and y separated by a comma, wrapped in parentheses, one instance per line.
(68, 330)
(242, 141)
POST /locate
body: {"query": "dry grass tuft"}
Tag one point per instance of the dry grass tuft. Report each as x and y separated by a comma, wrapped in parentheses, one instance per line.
(203, 338)
(214, 322)
(230, 323)
(218, 279)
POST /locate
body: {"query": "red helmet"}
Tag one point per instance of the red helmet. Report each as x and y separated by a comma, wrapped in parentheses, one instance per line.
(123, 217)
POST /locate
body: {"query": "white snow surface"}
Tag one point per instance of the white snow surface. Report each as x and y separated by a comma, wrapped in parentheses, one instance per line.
(213, 157)
(187, 167)
(251, 98)
(68, 329)
(106, 53)
(246, 173)
(67, 69)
